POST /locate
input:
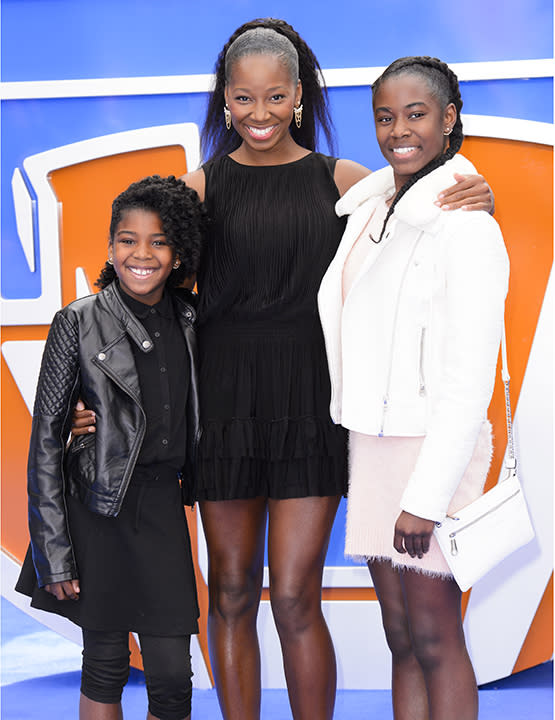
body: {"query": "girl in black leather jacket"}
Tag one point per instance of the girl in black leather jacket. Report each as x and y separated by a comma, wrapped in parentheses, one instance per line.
(110, 547)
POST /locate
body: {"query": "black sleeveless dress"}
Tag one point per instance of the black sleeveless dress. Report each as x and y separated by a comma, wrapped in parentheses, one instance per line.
(264, 383)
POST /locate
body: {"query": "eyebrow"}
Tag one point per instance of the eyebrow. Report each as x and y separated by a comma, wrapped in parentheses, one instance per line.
(272, 89)
(410, 105)
(132, 232)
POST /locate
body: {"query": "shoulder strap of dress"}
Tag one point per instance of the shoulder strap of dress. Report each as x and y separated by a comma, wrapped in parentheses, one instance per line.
(330, 162)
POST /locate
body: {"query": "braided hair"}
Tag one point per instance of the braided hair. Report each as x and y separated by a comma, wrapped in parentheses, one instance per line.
(444, 85)
(182, 215)
(217, 141)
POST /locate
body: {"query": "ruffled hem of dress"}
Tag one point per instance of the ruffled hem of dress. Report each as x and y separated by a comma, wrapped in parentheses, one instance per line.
(245, 478)
(365, 559)
(271, 440)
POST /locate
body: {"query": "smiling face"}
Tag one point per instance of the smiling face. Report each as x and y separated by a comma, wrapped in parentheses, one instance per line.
(410, 124)
(142, 256)
(261, 96)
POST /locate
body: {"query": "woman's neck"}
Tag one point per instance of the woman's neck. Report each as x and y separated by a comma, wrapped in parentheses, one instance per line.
(286, 152)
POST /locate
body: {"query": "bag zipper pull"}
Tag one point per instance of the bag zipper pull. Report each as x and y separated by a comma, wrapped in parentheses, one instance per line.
(454, 548)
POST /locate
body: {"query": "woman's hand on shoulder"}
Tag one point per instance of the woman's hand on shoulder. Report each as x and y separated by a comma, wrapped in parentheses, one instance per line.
(347, 173)
(412, 534)
(65, 590)
(196, 180)
(470, 192)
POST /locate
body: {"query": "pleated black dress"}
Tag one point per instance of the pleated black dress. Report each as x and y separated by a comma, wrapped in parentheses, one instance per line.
(264, 383)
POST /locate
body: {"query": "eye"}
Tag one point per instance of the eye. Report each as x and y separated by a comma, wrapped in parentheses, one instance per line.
(416, 114)
(160, 243)
(277, 97)
(383, 119)
(125, 240)
(241, 98)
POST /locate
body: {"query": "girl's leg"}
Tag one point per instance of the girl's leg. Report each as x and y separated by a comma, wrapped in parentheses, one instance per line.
(91, 710)
(235, 533)
(410, 698)
(167, 665)
(434, 611)
(104, 674)
(299, 533)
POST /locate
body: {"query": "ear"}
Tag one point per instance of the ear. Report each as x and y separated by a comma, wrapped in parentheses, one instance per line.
(450, 116)
(298, 93)
(110, 248)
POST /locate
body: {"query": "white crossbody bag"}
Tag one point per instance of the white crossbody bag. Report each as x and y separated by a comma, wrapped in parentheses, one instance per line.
(482, 534)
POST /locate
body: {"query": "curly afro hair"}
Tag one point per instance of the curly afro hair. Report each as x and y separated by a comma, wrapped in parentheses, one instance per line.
(182, 215)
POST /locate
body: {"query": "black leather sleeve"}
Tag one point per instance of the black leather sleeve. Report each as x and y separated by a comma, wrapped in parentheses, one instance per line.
(59, 376)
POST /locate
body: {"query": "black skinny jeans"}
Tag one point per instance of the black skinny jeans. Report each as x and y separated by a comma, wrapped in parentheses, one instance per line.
(167, 666)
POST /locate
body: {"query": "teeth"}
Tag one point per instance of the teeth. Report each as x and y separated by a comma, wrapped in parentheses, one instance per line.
(141, 271)
(261, 132)
(403, 150)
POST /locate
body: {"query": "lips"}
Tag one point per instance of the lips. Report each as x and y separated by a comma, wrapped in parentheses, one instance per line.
(402, 151)
(139, 272)
(261, 133)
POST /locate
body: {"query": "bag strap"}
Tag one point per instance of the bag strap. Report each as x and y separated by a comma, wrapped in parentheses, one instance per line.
(510, 460)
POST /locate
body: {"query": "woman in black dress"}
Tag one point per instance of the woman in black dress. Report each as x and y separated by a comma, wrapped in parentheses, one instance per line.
(268, 448)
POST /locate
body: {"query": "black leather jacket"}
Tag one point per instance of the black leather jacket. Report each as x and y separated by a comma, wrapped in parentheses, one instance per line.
(88, 354)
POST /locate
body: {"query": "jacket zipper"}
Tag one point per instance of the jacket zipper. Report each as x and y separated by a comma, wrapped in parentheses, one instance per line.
(452, 535)
(385, 402)
(421, 380)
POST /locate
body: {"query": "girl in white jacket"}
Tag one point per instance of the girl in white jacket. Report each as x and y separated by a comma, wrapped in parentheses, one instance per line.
(412, 311)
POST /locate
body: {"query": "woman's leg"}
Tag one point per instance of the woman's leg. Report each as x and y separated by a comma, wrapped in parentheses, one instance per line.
(235, 532)
(299, 533)
(167, 665)
(410, 698)
(104, 675)
(434, 611)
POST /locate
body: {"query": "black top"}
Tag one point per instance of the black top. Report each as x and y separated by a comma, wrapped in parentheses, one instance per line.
(273, 232)
(164, 381)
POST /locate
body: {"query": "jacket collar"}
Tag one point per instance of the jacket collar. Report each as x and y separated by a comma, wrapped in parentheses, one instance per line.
(416, 207)
(112, 301)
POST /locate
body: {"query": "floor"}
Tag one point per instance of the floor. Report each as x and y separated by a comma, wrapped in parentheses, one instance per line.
(40, 679)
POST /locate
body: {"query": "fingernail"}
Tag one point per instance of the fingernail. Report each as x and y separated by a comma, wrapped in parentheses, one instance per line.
(441, 195)
(80, 406)
(437, 203)
(464, 207)
(445, 207)
(91, 429)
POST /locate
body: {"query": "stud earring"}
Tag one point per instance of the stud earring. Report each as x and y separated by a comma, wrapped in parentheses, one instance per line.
(110, 261)
(176, 264)
(227, 115)
(298, 112)
(448, 131)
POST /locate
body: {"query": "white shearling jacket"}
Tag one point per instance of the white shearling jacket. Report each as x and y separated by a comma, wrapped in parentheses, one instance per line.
(413, 349)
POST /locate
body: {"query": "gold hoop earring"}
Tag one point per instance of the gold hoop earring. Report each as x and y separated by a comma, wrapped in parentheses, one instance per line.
(448, 131)
(298, 112)
(227, 115)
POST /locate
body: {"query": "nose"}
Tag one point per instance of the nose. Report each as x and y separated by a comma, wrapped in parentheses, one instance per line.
(260, 111)
(399, 128)
(142, 250)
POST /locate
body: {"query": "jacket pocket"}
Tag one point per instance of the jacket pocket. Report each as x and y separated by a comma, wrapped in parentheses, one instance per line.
(80, 465)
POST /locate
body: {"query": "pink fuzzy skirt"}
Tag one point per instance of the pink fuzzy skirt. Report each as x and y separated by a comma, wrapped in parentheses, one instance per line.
(380, 468)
